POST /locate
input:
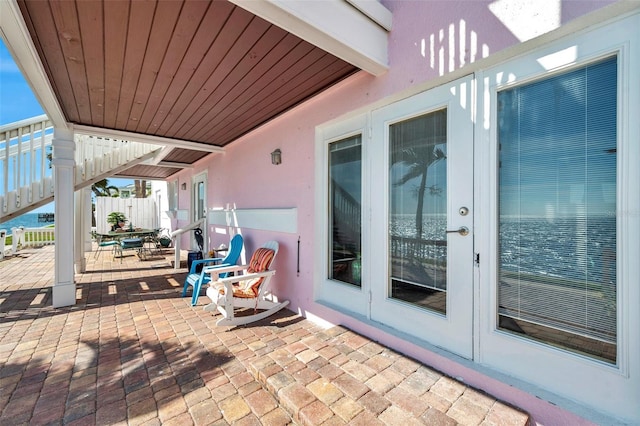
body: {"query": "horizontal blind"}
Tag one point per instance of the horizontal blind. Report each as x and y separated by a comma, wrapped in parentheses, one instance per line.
(557, 218)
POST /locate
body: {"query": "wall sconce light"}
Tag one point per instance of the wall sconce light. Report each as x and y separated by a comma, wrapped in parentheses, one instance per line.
(276, 157)
(183, 185)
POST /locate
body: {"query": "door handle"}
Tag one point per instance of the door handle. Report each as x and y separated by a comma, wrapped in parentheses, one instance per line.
(463, 230)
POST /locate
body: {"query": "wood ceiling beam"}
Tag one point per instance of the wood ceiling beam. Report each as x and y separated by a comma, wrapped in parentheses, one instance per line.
(174, 165)
(339, 27)
(150, 139)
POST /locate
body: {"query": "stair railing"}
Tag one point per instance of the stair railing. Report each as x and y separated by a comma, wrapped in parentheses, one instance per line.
(24, 146)
(26, 178)
(177, 241)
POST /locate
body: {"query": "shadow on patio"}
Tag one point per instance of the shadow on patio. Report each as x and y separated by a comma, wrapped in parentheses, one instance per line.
(132, 351)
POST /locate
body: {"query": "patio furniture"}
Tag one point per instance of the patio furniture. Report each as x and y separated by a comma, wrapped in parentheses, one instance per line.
(197, 278)
(136, 244)
(152, 242)
(247, 290)
(104, 241)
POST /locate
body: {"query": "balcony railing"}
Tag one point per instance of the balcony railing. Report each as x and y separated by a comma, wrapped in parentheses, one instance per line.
(22, 238)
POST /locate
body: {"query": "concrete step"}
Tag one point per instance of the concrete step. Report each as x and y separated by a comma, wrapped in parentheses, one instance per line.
(341, 373)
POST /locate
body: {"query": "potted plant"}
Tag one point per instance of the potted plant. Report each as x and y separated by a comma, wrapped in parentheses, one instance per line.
(116, 220)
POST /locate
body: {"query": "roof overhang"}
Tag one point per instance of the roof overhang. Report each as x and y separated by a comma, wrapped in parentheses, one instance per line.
(327, 39)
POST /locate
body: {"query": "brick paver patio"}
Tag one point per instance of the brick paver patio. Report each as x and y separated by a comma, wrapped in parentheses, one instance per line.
(132, 351)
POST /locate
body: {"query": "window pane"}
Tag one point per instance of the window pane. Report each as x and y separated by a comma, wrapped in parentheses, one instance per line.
(172, 189)
(345, 198)
(200, 208)
(418, 210)
(557, 227)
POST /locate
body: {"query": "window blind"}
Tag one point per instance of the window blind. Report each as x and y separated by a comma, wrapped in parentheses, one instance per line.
(557, 209)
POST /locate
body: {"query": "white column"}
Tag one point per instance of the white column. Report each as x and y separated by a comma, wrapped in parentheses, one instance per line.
(80, 231)
(64, 289)
(88, 216)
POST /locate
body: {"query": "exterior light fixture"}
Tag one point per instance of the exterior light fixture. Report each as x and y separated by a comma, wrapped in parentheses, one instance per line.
(276, 157)
(184, 185)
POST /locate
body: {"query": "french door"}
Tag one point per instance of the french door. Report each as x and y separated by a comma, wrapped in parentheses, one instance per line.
(422, 265)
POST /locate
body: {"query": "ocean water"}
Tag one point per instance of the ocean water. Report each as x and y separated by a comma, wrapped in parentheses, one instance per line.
(572, 248)
(28, 220)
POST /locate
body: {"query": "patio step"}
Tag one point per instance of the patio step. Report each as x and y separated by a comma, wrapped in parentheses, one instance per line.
(341, 373)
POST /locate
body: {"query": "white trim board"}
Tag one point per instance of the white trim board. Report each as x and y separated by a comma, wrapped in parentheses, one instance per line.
(277, 220)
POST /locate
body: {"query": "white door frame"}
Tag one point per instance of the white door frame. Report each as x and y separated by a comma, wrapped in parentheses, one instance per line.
(334, 293)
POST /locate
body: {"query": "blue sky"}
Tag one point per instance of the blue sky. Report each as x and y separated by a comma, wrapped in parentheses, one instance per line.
(17, 102)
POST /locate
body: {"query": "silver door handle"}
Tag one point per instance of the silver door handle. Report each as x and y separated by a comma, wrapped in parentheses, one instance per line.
(463, 230)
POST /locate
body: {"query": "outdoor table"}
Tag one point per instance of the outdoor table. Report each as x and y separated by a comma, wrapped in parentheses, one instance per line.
(132, 234)
(135, 240)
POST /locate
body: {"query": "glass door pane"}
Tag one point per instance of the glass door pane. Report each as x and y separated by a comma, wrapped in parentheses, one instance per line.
(345, 204)
(200, 209)
(418, 210)
(557, 222)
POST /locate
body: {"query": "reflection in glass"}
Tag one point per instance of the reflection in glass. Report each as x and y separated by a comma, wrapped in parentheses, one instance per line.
(418, 210)
(345, 198)
(200, 208)
(557, 223)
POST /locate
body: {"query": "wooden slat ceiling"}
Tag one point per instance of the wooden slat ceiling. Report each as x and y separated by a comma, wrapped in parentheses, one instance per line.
(202, 71)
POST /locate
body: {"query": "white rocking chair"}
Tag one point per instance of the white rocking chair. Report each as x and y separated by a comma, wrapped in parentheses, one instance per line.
(248, 288)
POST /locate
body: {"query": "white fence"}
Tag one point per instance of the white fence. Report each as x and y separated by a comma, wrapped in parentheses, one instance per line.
(140, 212)
(31, 237)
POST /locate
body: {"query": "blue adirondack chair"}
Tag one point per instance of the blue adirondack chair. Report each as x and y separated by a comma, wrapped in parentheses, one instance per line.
(197, 279)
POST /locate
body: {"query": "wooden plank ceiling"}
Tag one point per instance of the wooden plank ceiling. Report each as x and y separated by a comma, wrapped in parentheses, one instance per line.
(201, 71)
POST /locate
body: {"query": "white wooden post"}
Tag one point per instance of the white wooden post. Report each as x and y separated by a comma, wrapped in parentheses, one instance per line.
(80, 231)
(87, 216)
(16, 238)
(64, 288)
(3, 237)
(176, 251)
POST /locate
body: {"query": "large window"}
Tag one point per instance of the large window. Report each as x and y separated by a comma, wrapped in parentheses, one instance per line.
(345, 201)
(557, 221)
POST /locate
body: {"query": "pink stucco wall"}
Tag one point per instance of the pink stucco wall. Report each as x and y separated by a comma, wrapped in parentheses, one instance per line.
(419, 50)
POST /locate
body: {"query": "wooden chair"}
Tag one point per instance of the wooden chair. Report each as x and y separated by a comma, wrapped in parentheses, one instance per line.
(248, 289)
(197, 278)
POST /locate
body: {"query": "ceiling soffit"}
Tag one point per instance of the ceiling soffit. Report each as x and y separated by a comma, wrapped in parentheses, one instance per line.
(205, 71)
(195, 75)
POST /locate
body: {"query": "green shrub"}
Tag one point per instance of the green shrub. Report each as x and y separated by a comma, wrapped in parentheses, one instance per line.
(116, 217)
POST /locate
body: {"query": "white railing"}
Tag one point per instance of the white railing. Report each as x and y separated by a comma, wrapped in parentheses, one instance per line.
(96, 157)
(177, 241)
(3, 238)
(31, 237)
(26, 177)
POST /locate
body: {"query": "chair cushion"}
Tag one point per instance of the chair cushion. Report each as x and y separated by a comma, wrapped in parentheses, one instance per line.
(249, 292)
(260, 260)
(131, 243)
(108, 243)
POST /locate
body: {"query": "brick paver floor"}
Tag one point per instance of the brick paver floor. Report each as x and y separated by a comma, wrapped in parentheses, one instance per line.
(132, 351)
